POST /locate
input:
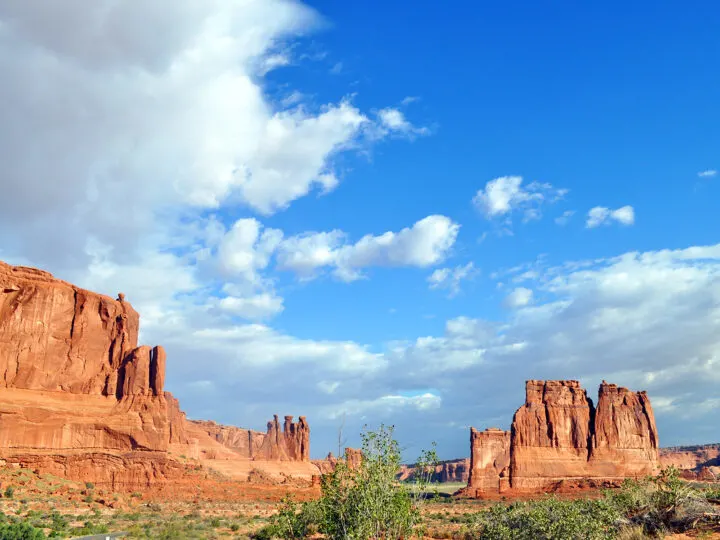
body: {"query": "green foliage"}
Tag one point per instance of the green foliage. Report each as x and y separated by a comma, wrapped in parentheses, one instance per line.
(12, 528)
(652, 506)
(89, 528)
(362, 503)
(9, 492)
(547, 519)
(664, 503)
(89, 485)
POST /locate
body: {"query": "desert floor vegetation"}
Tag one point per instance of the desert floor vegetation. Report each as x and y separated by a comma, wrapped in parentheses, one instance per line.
(362, 503)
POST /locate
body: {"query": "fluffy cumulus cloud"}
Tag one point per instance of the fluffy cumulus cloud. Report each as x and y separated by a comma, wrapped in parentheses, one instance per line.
(601, 215)
(645, 320)
(519, 297)
(450, 279)
(507, 194)
(108, 140)
(426, 243)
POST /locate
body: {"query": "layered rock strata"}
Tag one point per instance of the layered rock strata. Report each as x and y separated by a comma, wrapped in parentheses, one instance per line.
(80, 398)
(559, 438)
(292, 443)
(455, 470)
(489, 460)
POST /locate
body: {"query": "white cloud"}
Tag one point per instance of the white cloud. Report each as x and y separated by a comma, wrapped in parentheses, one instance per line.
(709, 173)
(161, 108)
(601, 215)
(393, 121)
(565, 217)
(451, 278)
(519, 297)
(506, 194)
(257, 307)
(426, 243)
(384, 406)
(245, 250)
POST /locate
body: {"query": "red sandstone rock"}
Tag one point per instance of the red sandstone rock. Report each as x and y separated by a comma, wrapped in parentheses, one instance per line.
(353, 458)
(624, 441)
(691, 457)
(490, 458)
(550, 434)
(79, 397)
(456, 470)
(55, 336)
(559, 440)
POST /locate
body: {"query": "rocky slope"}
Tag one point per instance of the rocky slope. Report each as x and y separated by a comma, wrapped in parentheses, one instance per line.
(80, 398)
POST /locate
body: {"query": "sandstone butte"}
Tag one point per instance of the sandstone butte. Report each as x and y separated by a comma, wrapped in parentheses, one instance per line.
(80, 399)
(559, 440)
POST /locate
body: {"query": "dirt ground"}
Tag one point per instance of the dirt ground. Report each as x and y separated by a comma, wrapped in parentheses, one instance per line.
(207, 509)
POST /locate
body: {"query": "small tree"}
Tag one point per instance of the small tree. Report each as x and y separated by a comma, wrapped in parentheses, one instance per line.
(369, 502)
(366, 502)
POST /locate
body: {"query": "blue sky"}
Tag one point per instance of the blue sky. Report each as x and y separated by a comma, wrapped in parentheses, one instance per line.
(396, 214)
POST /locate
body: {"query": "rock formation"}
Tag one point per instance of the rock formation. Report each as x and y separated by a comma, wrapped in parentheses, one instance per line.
(80, 398)
(455, 470)
(290, 444)
(353, 458)
(489, 460)
(699, 462)
(559, 438)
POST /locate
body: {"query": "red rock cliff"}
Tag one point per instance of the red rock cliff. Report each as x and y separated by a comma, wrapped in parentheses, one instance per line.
(624, 441)
(489, 460)
(559, 438)
(550, 434)
(81, 399)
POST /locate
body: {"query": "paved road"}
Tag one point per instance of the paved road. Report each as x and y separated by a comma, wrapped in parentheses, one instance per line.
(104, 536)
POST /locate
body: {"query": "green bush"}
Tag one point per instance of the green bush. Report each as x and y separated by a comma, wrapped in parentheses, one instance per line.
(20, 531)
(652, 506)
(9, 492)
(547, 519)
(664, 503)
(363, 503)
(11, 528)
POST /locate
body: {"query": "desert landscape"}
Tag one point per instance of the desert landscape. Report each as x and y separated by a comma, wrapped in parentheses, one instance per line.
(91, 442)
(359, 270)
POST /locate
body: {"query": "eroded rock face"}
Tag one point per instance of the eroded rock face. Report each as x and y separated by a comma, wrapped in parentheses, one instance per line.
(292, 443)
(489, 460)
(559, 439)
(55, 336)
(79, 397)
(624, 439)
(550, 434)
(353, 458)
(456, 470)
(691, 457)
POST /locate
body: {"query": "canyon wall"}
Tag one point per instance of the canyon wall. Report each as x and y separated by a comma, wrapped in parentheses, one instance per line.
(455, 470)
(699, 462)
(559, 438)
(80, 398)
